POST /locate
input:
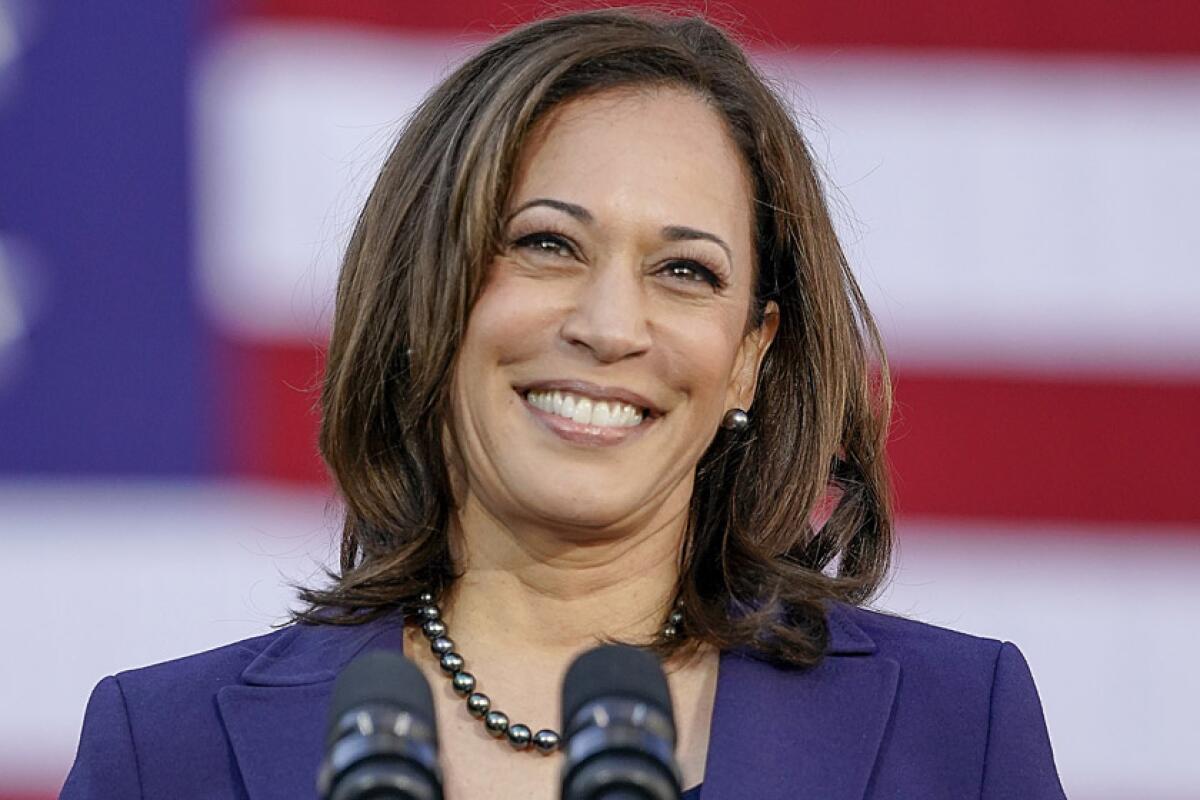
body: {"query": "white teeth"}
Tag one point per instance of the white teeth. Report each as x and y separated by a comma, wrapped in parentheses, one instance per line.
(601, 415)
(627, 414)
(585, 410)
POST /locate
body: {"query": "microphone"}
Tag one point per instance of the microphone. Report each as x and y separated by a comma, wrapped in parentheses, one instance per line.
(382, 740)
(618, 728)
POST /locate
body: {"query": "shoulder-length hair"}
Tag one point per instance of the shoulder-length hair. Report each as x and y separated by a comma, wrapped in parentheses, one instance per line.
(760, 562)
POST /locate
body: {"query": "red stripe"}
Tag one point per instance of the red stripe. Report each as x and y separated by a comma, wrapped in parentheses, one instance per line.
(1005, 447)
(269, 411)
(1017, 447)
(1163, 27)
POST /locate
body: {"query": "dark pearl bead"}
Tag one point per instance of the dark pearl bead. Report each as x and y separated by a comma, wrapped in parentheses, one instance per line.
(670, 631)
(546, 741)
(519, 736)
(478, 704)
(735, 419)
(676, 618)
(496, 723)
(463, 683)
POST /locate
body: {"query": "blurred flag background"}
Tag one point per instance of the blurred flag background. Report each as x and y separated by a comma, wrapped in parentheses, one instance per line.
(1017, 185)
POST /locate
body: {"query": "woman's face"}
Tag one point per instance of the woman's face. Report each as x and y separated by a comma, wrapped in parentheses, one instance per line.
(610, 337)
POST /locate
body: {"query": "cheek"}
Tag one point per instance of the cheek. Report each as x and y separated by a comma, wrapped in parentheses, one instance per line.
(698, 356)
(510, 322)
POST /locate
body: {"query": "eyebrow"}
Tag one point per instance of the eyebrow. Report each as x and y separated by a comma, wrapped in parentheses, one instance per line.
(578, 212)
(672, 233)
(682, 233)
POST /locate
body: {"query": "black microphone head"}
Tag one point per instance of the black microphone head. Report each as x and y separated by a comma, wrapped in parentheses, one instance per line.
(382, 739)
(618, 729)
(612, 671)
(384, 678)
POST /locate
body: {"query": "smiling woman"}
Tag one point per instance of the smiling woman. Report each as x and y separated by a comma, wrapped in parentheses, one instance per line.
(612, 206)
(599, 370)
(630, 288)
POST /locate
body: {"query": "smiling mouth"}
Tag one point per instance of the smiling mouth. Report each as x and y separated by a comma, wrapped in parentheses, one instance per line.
(584, 410)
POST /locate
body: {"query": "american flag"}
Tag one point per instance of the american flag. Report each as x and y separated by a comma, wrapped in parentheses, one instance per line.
(1018, 187)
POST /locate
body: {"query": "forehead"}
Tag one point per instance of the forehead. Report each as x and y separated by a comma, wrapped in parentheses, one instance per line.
(660, 152)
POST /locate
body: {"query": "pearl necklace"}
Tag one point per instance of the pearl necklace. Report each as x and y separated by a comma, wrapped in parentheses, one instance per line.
(479, 705)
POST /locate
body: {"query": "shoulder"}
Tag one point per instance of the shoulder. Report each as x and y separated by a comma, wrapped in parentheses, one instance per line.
(919, 645)
(942, 669)
(944, 677)
(156, 714)
(149, 705)
(943, 657)
(975, 695)
(153, 730)
(295, 655)
(207, 670)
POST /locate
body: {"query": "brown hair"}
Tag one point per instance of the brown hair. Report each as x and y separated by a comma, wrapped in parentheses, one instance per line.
(756, 571)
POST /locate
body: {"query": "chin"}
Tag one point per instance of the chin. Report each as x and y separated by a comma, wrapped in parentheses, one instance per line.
(582, 508)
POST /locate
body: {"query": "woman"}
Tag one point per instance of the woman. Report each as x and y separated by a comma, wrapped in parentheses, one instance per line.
(599, 371)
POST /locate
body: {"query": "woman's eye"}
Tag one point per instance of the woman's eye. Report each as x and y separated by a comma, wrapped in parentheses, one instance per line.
(547, 243)
(692, 272)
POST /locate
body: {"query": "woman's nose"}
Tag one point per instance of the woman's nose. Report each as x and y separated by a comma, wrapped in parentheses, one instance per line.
(608, 317)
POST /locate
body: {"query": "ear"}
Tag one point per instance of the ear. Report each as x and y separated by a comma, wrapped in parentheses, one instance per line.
(749, 358)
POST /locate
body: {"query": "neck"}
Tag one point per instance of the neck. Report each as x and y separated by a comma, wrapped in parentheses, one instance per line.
(531, 585)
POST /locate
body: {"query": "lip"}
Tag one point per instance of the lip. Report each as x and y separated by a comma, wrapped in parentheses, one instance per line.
(592, 435)
(594, 391)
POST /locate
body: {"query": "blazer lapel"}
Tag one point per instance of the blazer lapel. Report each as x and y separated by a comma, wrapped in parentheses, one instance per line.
(277, 734)
(276, 718)
(778, 734)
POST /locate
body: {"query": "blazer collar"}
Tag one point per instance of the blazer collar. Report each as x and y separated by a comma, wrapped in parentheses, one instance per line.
(782, 733)
(307, 654)
(276, 717)
(846, 638)
(776, 733)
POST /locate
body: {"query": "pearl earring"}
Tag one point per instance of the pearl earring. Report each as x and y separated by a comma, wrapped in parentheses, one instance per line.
(736, 420)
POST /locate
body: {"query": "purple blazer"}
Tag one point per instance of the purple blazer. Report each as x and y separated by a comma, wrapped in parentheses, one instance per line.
(898, 709)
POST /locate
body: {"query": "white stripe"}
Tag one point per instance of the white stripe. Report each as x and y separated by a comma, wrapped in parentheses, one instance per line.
(111, 577)
(125, 575)
(1024, 212)
(998, 211)
(292, 124)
